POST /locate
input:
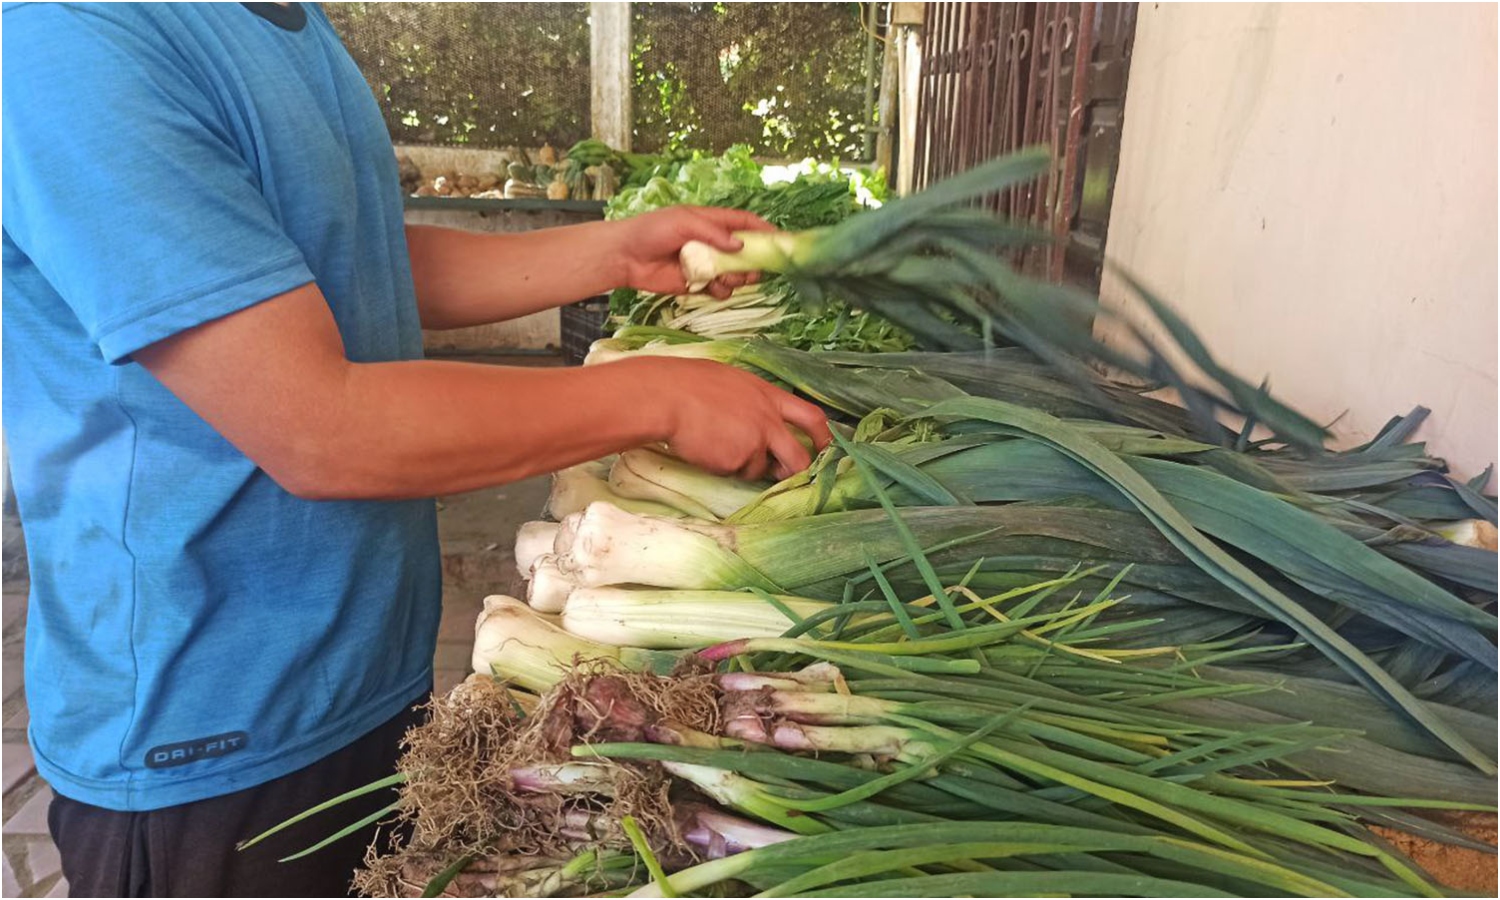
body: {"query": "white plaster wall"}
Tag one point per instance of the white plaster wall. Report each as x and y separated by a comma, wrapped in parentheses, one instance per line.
(1314, 187)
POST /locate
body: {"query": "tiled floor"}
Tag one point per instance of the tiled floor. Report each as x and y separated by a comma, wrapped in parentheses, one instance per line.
(477, 531)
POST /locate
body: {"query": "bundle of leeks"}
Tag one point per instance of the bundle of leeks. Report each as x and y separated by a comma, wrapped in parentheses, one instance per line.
(1219, 544)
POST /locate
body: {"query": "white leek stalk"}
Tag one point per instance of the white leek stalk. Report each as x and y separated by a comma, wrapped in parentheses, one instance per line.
(677, 620)
(1476, 533)
(575, 488)
(567, 530)
(645, 474)
(763, 251)
(612, 546)
(606, 350)
(532, 540)
(515, 643)
(549, 587)
(747, 311)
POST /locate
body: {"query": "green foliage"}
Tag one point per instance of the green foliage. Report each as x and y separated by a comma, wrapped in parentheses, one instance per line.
(785, 78)
(480, 74)
(794, 198)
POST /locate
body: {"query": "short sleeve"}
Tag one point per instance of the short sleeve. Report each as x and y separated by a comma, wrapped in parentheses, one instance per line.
(123, 183)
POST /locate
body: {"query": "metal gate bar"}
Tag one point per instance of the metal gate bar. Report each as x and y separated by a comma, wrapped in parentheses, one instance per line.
(998, 77)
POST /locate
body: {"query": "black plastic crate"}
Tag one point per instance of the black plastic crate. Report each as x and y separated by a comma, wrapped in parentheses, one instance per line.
(582, 324)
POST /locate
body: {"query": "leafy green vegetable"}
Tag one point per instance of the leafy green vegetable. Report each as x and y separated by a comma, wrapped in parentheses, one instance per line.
(794, 197)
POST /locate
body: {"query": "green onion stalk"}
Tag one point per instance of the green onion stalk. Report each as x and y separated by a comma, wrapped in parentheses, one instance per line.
(1000, 859)
(1191, 786)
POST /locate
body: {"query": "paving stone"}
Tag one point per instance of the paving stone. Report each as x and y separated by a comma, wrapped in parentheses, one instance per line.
(444, 680)
(12, 886)
(19, 719)
(43, 861)
(481, 571)
(454, 654)
(461, 606)
(32, 818)
(12, 671)
(13, 603)
(17, 764)
(60, 889)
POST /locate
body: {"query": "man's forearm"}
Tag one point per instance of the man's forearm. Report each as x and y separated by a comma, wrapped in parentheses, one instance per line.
(468, 278)
(427, 427)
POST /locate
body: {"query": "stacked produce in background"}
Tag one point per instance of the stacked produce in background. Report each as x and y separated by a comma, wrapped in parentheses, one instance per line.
(796, 198)
(589, 170)
(1022, 629)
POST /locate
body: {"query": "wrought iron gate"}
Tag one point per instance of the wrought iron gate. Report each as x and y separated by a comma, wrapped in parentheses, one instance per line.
(997, 77)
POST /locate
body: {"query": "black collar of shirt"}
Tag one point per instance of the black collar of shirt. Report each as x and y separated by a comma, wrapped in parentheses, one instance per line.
(290, 17)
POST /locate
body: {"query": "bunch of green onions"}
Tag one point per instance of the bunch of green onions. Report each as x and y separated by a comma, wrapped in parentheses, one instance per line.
(899, 755)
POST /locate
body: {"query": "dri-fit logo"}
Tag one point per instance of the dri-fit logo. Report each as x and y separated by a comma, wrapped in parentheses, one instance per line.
(183, 752)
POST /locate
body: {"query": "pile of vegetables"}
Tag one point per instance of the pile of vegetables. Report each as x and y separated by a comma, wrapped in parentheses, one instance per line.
(1356, 553)
(1022, 629)
(887, 753)
(589, 170)
(799, 197)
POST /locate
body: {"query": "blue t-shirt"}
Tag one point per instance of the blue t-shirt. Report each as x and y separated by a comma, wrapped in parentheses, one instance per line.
(193, 628)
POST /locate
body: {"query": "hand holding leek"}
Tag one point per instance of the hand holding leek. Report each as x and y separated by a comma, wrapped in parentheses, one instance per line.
(729, 422)
(646, 248)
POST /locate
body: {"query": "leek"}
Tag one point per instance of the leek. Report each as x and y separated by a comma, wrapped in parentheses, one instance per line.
(926, 264)
(573, 489)
(678, 620)
(533, 539)
(1476, 533)
(549, 587)
(645, 474)
(513, 642)
(612, 546)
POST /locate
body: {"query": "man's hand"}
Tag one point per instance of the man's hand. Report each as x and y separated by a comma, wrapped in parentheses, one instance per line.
(646, 246)
(725, 420)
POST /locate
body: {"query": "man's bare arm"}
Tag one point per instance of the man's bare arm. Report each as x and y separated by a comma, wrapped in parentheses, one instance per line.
(470, 278)
(274, 380)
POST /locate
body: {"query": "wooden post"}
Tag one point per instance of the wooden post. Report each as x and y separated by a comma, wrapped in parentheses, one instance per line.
(906, 22)
(890, 78)
(609, 55)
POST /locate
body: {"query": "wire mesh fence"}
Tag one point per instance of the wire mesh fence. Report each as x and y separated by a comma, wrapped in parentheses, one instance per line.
(475, 74)
(789, 79)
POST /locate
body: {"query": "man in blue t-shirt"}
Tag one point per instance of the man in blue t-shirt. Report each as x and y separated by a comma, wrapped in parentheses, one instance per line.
(223, 434)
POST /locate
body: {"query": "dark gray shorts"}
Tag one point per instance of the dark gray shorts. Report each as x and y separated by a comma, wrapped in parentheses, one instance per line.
(189, 850)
